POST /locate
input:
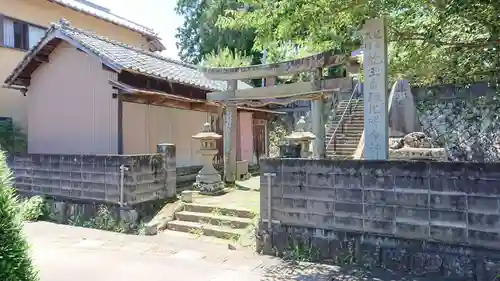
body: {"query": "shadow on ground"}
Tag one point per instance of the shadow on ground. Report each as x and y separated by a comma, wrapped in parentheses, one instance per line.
(318, 272)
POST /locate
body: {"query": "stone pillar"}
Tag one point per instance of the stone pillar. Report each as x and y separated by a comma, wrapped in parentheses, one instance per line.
(169, 167)
(318, 122)
(229, 133)
(376, 135)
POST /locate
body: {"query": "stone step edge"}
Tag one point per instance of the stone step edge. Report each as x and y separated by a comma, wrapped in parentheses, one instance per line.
(238, 212)
(203, 229)
(212, 218)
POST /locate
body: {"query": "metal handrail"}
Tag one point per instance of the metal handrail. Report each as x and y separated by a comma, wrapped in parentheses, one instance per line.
(341, 121)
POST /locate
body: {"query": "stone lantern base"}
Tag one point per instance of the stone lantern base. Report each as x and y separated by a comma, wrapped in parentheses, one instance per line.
(209, 183)
(209, 188)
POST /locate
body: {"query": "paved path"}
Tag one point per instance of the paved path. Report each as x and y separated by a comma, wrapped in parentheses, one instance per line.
(252, 183)
(65, 253)
(238, 199)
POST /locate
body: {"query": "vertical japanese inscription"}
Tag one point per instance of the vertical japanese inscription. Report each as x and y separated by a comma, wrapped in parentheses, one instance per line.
(375, 90)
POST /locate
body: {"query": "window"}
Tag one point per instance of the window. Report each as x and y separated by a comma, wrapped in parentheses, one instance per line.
(20, 35)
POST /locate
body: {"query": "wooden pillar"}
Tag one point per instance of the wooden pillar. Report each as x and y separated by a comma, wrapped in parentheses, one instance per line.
(376, 135)
(230, 131)
(318, 122)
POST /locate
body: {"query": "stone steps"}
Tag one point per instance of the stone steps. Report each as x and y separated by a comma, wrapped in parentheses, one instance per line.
(340, 146)
(214, 219)
(345, 135)
(196, 228)
(348, 126)
(242, 213)
(225, 223)
(347, 139)
(348, 118)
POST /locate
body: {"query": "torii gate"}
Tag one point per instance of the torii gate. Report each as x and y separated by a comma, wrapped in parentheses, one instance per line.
(272, 93)
(375, 70)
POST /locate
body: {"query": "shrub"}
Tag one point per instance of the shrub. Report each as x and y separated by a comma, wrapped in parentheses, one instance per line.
(15, 261)
(12, 138)
(32, 209)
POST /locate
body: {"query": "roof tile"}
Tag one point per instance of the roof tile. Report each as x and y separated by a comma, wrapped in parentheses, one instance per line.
(106, 15)
(126, 57)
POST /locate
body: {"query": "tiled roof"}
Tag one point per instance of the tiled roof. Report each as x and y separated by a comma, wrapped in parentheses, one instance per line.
(120, 56)
(105, 15)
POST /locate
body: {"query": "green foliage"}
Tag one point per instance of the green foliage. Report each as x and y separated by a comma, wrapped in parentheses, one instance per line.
(226, 58)
(430, 41)
(301, 253)
(12, 138)
(103, 220)
(32, 209)
(277, 133)
(199, 36)
(15, 261)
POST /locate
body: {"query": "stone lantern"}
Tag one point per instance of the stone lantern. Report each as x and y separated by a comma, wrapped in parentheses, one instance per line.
(208, 178)
(302, 138)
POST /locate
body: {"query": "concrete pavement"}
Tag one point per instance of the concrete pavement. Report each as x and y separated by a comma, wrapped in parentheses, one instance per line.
(65, 253)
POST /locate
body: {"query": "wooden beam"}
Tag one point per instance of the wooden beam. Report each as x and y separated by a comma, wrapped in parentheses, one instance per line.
(22, 81)
(283, 90)
(41, 58)
(321, 60)
(166, 102)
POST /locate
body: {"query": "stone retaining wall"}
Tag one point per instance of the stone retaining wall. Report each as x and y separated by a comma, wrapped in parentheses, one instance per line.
(434, 219)
(96, 177)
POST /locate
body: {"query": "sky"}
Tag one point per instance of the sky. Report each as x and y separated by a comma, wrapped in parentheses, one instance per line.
(156, 14)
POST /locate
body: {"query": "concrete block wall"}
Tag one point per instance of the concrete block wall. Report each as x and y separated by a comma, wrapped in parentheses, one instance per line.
(430, 218)
(95, 177)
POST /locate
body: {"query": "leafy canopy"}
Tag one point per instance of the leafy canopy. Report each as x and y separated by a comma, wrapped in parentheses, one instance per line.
(438, 41)
(199, 36)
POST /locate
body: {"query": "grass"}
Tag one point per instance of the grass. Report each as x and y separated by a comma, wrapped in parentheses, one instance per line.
(198, 232)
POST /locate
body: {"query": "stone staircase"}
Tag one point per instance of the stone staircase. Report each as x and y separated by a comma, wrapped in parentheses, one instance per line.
(349, 130)
(225, 223)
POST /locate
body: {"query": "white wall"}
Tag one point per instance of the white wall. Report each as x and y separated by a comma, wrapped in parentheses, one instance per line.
(145, 126)
(70, 106)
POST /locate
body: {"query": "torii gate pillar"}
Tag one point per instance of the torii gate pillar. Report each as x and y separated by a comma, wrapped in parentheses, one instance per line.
(230, 136)
(318, 122)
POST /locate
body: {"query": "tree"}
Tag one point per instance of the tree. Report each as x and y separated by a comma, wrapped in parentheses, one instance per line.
(15, 262)
(226, 58)
(438, 41)
(199, 36)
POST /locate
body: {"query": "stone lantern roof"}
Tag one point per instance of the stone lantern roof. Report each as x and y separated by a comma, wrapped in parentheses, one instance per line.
(300, 134)
(207, 134)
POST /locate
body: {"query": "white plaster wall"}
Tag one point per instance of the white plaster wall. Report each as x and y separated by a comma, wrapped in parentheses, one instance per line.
(145, 126)
(70, 106)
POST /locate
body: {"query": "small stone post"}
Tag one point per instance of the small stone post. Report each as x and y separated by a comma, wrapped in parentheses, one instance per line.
(301, 137)
(169, 167)
(208, 179)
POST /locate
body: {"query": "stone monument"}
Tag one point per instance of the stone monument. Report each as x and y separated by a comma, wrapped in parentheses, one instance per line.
(301, 137)
(208, 179)
(376, 136)
(403, 117)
